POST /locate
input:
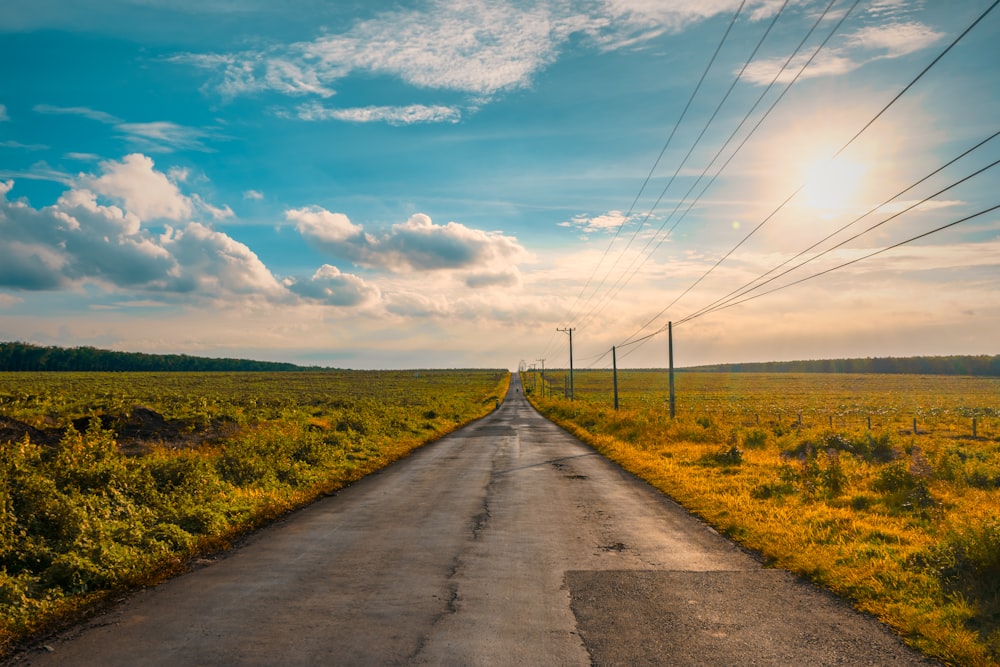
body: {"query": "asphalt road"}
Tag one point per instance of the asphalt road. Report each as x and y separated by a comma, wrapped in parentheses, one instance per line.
(506, 543)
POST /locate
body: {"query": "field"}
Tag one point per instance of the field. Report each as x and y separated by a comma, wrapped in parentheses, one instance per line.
(110, 481)
(882, 488)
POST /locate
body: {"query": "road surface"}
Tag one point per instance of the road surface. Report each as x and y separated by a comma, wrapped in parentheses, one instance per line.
(506, 543)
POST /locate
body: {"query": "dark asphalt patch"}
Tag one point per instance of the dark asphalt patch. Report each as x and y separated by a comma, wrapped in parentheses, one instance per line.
(695, 618)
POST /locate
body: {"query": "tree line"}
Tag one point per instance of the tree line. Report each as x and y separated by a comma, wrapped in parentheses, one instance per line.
(980, 365)
(18, 356)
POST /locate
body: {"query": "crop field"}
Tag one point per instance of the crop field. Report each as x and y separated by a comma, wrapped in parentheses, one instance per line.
(110, 481)
(883, 488)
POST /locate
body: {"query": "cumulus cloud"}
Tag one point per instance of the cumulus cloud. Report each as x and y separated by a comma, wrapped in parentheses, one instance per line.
(253, 195)
(211, 262)
(415, 245)
(332, 287)
(97, 233)
(135, 183)
(323, 227)
(509, 278)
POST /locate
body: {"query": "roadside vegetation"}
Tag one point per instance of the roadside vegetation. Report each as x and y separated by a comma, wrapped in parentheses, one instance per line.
(109, 481)
(880, 488)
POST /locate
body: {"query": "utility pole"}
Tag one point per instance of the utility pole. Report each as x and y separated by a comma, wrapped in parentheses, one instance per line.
(543, 377)
(569, 330)
(614, 364)
(670, 348)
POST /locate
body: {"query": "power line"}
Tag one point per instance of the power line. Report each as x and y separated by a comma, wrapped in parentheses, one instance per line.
(652, 169)
(835, 155)
(749, 286)
(620, 284)
(845, 264)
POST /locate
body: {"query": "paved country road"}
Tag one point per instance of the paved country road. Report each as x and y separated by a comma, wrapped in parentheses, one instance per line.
(506, 543)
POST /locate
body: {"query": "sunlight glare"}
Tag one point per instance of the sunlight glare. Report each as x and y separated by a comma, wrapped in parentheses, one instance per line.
(832, 186)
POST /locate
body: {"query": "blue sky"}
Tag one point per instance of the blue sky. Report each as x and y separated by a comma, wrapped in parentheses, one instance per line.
(445, 183)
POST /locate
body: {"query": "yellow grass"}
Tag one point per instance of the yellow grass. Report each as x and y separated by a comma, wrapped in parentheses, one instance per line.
(887, 533)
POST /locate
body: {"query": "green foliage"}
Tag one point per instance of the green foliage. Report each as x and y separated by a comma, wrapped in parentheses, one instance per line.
(28, 357)
(967, 562)
(84, 514)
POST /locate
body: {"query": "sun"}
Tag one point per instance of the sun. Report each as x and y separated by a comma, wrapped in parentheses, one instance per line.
(832, 186)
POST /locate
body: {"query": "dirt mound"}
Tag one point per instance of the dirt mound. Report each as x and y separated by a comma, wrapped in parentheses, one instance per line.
(135, 432)
(12, 430)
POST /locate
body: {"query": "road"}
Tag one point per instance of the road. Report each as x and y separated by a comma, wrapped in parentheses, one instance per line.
(506, 543)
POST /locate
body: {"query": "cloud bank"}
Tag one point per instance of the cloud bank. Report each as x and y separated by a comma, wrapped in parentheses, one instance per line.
(130, 227)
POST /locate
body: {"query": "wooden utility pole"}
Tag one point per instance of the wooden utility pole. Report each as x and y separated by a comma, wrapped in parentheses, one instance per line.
(614, 365)
(670, 353)
(543, 377)
(569, 330)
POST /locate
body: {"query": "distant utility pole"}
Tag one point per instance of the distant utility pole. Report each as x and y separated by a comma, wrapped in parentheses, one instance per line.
(543, 376)
(569, 330)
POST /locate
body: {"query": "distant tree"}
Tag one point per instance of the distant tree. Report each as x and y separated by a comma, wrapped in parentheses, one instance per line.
(17, 356)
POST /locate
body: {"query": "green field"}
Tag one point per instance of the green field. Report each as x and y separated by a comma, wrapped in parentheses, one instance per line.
(114, 480)
(871, 485)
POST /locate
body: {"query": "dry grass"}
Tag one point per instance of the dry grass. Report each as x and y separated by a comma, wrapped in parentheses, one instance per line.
(904, 524)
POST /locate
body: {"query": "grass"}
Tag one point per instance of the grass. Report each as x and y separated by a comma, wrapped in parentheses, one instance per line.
(904, 523)
(87, 514)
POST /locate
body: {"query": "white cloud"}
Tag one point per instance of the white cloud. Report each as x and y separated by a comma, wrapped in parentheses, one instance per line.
(323, 227)
(135, 183)
(477, 47)
(332, 287)
(27, 147)
(895, 39)
(210, 262)
(609, 221)
(406, 115)
(865, 45)
(153, 137)
(253, 195)
(86, 112)
(83, 239)
(504, 278)
(4, 117)
(932, 205)
(415, 245)
(163, 136)
(216, 212)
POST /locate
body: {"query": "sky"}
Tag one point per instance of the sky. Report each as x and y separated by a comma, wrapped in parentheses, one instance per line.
(450, 183)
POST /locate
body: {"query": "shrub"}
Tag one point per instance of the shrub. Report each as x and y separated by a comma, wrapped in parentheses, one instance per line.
(755, 438)
(967, 562)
